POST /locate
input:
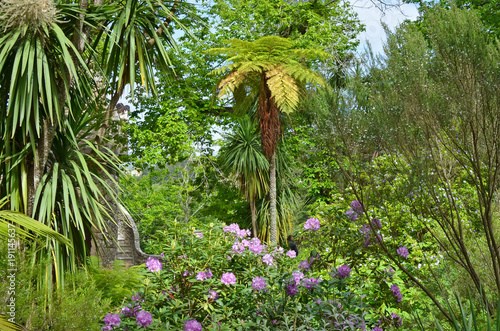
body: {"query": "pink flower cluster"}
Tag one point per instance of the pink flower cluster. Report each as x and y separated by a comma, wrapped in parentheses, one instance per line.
(403, 252)
(228, 278)
(312, 224)
(356, 210)
(192, 325)
(258, 283)
(202, 275)
(153, 264)
(267, 259)
(235, 228)
(343, 271)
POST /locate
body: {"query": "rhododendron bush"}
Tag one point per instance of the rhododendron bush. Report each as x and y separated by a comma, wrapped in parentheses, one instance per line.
(220, 278)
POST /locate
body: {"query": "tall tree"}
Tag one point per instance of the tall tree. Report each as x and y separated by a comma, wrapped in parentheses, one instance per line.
(266, 70)
(244, 158)
(53, 98)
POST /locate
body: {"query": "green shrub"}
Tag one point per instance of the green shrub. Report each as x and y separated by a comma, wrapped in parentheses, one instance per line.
(116, 282)
(78, 306)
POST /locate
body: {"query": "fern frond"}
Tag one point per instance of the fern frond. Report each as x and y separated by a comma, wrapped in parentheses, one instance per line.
(284, 89)
(230, 82)
(304, 75)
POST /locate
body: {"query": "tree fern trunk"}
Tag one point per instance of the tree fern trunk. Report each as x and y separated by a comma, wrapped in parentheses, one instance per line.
(272, 199)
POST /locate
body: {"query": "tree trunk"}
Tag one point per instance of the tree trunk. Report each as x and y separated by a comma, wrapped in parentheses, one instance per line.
(254, 217)
(272, 199)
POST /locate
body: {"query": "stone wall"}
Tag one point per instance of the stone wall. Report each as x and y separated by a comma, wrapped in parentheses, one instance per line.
(120, 240)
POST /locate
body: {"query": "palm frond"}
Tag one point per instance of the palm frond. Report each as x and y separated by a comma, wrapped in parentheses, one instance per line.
(5, 325)
(244, 158)
(27, 228)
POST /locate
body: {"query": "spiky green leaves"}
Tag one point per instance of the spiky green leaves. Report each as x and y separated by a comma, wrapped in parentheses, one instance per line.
(244, 158)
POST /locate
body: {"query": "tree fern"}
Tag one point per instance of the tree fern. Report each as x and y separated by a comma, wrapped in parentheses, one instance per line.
(271, 70)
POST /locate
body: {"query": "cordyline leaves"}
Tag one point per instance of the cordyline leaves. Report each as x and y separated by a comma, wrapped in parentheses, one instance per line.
(25, 224)
(244, 158)
(126, 46)
(48, 98)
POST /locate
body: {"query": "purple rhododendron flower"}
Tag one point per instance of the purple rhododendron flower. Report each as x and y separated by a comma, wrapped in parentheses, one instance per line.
(377, 328)
(198, 234)
(243, 233)
(112, 320)
(137, 308)
(256, 248)
(278, 250)
(238, 248)
(212, 295)
(258, 283)
(357, 207)
(208, 273)
(137, 297)
(312, 224)
(186, 273)
(309, 283)
(291, 254)
(365, 229)
(343, 271)
(297, 277)
(304, 265)
(192, 325)
(153, 264)
(126, 311)
(143, 318)
(397, 320)
(403, 251)
(228, 278)
(396, 292)
(200, 276)
(107, 328)
(292, 290)
(233, 228)
(255, 241)
(376, 223)
(267, 259)
(352, 215)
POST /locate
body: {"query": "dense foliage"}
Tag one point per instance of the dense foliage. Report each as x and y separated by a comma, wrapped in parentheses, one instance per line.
(370, 182)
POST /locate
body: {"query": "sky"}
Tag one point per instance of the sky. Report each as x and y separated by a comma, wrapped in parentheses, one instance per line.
(371, 17)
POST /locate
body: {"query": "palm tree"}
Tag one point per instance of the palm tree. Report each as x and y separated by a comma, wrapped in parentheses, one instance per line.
(56, 59)
(243, 157)
(267, 70)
